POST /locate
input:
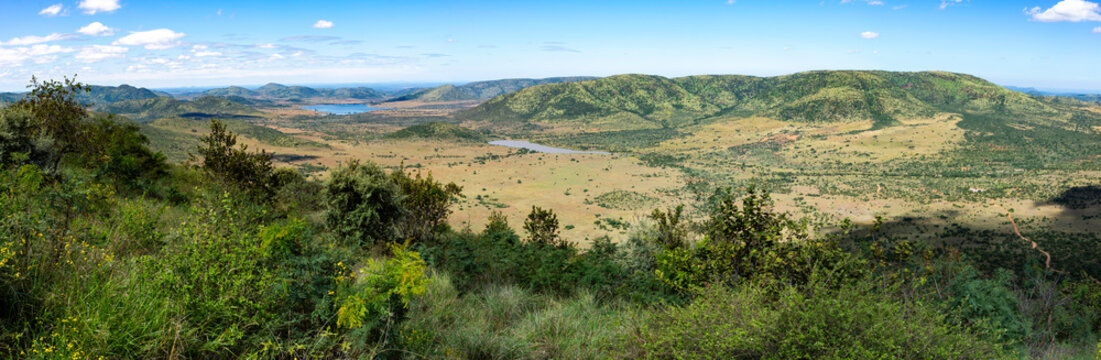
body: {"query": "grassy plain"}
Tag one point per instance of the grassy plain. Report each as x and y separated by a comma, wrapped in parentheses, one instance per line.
(912, 174)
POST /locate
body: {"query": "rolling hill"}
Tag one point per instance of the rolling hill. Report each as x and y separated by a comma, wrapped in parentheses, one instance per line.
(273, 91)
(99, 96)
(147, 110)
(438, 131)
(644, 101)
(482, 90)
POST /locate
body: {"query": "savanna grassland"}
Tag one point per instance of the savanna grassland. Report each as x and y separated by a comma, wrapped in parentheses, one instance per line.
(833, 214)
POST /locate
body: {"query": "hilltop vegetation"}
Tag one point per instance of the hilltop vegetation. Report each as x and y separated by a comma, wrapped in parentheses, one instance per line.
(439, 131)
(641, 101)
(99, 96)
(481, 90)
(146, 110)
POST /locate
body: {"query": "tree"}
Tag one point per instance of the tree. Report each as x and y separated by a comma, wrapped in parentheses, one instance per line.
(120, 152)
(671, 231)
(542, 227)
(58, 116)
(19, 142)
(221, 157)
(426, 204)
(362, 203)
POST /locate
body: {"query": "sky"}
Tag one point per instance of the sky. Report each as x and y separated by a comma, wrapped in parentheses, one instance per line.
(1047, 44)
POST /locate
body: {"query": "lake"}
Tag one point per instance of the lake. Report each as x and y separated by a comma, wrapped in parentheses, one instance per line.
(342, 109)
(541, 148)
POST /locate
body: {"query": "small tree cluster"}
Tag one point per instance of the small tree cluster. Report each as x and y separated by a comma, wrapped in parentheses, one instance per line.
(367, 206)
(219, 155)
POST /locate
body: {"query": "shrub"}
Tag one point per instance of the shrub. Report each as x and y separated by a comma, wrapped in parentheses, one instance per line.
(426, 203)
(820, 323)
(119, 152)
(371, 301)
(542, 227)
(218, 155)
(362, 204)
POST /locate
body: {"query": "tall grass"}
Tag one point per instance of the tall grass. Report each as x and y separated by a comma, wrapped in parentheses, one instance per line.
(508, 322)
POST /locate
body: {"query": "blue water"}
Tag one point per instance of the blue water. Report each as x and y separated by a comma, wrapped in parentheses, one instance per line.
(541, 148)
(342, 109)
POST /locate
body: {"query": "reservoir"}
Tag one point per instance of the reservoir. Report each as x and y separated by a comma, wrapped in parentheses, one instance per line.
(342, 109)
(541, 148)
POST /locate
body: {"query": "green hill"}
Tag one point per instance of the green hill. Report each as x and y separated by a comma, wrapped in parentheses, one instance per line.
(278, 91)
(147, 110)
(642, 101)
(440, 131)
(274, 91)
(232, 91)
(482, 90)
(99, 96)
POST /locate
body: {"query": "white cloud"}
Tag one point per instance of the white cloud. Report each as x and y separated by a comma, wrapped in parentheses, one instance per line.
(322, 24)
(1097, 30)
(31, 39)
(158, 39)
(944, 4)
(52, 10)
(95, 53)
(93, 6)
(96, 29)
(207, 53)
(869, 35)
(875, 2)
(1067, 10)
(17, 55)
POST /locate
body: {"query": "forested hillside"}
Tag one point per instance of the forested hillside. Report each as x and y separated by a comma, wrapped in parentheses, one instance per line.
(643, 101)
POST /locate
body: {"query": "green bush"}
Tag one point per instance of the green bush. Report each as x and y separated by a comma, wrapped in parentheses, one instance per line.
(855, 322)
(362, 204)
(218, 154)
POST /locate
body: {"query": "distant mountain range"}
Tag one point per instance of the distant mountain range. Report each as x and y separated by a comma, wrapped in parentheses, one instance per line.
(482, 90)
(646, 101)
(100, 96)
(1088, 97)
(147, 110)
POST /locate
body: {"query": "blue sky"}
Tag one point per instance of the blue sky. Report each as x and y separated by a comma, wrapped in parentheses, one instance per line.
(1052, 44)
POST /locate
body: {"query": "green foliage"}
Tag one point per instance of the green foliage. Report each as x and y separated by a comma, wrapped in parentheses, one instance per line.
(989, 300)
(439, 131)
(671, 230)
(624, 200)
(849, 323)
(509, 322)
(366, 206)
(362, 204)
(751, 242)
(218, 155)
(58, 116)
(20, 141)
(542, 228)
(146, 110)
(426, 203)
(365, 296)
(121, 153)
